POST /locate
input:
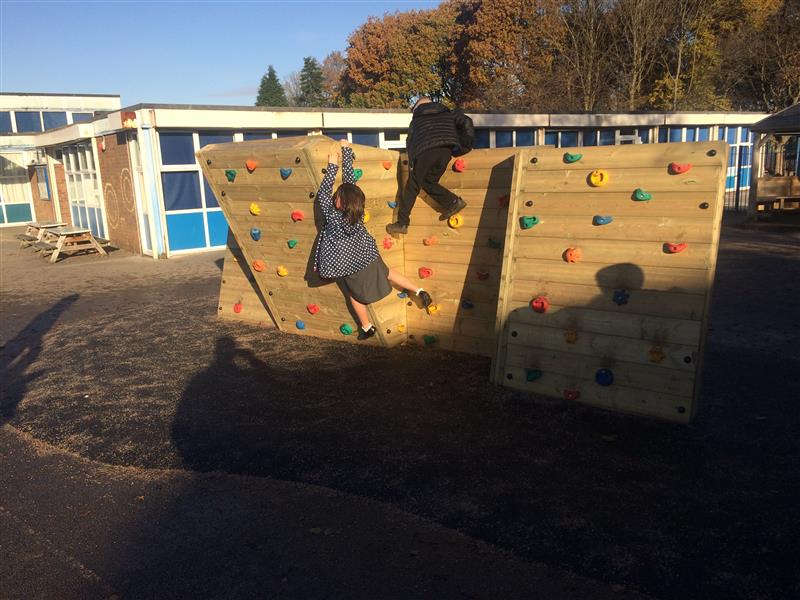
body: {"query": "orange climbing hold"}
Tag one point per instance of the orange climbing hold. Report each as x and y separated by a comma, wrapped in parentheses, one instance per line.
(312, 308)
(656, 354)
(237, 308)
(251, 165)
(387, 164)
(460, 165)
(675, 248)
(430, 241)
(540, 304)
(258, 265)
(388, 242)
(573, 255)
(297, 215)
(425, 272)
(678, 168)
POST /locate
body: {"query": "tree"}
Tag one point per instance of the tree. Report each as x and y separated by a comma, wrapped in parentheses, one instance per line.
(333, 68)
(311, 88)
(291, 87)
(270, 92)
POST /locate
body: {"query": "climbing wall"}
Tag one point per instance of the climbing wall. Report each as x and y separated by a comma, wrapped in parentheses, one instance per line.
(239, 290)
(459, 262)
(267, 192)
(608, 265)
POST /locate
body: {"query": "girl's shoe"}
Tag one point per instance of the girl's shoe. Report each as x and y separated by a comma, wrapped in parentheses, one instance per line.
(425, 298)
(365, 335)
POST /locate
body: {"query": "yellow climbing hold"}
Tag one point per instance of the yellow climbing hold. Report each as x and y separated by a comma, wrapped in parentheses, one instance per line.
(367, 216)
(598, 178)
(282, 271)
(455, 221)
(401, 328)
(255, 209)
(433, 309)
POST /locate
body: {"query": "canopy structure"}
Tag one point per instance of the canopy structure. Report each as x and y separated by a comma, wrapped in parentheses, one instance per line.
(776, 162)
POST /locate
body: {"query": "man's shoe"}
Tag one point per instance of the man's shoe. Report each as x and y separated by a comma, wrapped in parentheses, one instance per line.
(396, 228)
(425, 298)
(365, 335)
(456, 208)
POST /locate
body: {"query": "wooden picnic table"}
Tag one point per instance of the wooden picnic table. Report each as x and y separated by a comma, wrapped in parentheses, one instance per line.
(69, 240)
(34, 232)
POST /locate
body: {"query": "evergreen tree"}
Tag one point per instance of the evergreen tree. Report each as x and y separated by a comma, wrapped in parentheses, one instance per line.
(270, 92)
(312, 89)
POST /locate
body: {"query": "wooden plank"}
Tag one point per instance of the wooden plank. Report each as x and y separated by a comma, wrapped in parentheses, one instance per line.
(680, 204)
(701, 180)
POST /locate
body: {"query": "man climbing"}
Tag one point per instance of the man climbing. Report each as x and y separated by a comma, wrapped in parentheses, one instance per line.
(435, 135)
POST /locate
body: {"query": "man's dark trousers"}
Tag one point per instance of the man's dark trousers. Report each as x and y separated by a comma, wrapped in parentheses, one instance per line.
(426, 171)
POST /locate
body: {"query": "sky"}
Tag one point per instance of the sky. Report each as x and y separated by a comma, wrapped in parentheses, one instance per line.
(182, 52)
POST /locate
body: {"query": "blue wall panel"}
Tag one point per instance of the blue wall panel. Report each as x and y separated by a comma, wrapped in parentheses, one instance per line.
(217, 228)
(18, 213)
(186, 231)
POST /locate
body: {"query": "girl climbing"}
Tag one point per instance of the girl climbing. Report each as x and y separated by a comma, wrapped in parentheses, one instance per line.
(346, 252)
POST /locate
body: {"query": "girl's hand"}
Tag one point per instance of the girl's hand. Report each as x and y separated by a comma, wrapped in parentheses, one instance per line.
(333, 156)
(344, 143)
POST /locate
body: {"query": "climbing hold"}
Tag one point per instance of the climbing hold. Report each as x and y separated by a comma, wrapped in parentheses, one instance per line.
(602, 220)
(573, 255)
(230, 175)
(432, 309)
(391, 204)
(403, 294)
(503, 201)
(291, 244)
(251, 165)
(460, 165)
(482, 275)
(237, 308)
(388, 242)
(678, 168)
(285, 173)
(455, 221)
(528, 222)
(299, 324)
(258, 265)
(297, 215)
(467, 304)
(571, 158)
(571, 336)
(367, 217)
(621, 297)
(430, 241)
(492, 243)
(533, 374)
(604, 377)
(255, 209)
(255, 233)
(425, 272)
(572, 394)
(282, 271)
(540, 304)
(640, 195)
(358, 174)
(401, 327)
(345, 329)
(656, 354)
(429, 339)
(675, 248)
(387, 164)
(598, 178)
(312, 309)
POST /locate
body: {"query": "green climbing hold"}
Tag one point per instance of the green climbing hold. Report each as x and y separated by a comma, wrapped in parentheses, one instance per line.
(528, 222)
(642, 196)
(230, 175)
(532, 374)
(291, 243)
(346, 329)
(357, 174)
(571, 158)
(429, 339)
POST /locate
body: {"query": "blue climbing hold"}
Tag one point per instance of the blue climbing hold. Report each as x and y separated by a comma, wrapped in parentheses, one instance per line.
(467, 304)
(403, 294)
(621, 297)
(299, 324)
(285, 173)
(533, 374)
(604, 377)
(602, 220)
(392, 204)
(255, 233)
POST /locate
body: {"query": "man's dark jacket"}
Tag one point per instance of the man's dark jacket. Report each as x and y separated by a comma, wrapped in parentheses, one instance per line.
(435, 126)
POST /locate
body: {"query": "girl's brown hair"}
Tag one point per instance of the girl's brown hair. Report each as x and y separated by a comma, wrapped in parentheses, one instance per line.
(351, 199)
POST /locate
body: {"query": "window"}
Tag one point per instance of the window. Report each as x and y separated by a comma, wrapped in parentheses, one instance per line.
(5, 121)
(288, 133)
(81, 117)
(257, 135)
(43, 183)
(393, 135)
(731, 135)
(366, 138)
(54, 119)
(503, 138)
(644, 135)
(607, 137)
(177, 148)
(569, 139)
(481, 138)
(744, 135)
(211, 199)
(526, 137)
(590, 137)
(662, 135)
(690, 134)
(28, 121)
(181, 190)
(336, 135)
(675, 134)
(703, 134)
(551, 138)
(214, 137)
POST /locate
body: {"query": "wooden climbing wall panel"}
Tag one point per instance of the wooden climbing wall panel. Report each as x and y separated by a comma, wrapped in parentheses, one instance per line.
(267, 191)
(606, 280)
(239, 296)
(464, 261)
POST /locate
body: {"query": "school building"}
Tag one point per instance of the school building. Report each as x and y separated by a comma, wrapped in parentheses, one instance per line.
(130, 173)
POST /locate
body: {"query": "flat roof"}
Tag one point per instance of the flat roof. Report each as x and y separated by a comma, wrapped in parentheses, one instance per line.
(56, 94)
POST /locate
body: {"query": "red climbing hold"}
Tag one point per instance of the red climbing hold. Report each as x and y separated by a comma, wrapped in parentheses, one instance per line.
(251, 164)
(237, 308)
(312, 308)
(678, 168)
(573, 255)
(540, 304)
(425, 272)
(675, 248)
(297, 215)
(388, 242)
(482, 275)
(258, 265)
(387, 164)
(430, 241)
(460, 165)
(571, 394)
(503, 201)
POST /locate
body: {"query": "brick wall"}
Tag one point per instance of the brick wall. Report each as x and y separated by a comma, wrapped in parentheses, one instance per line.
(43, 208)
(63, 199)
(118, 195)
